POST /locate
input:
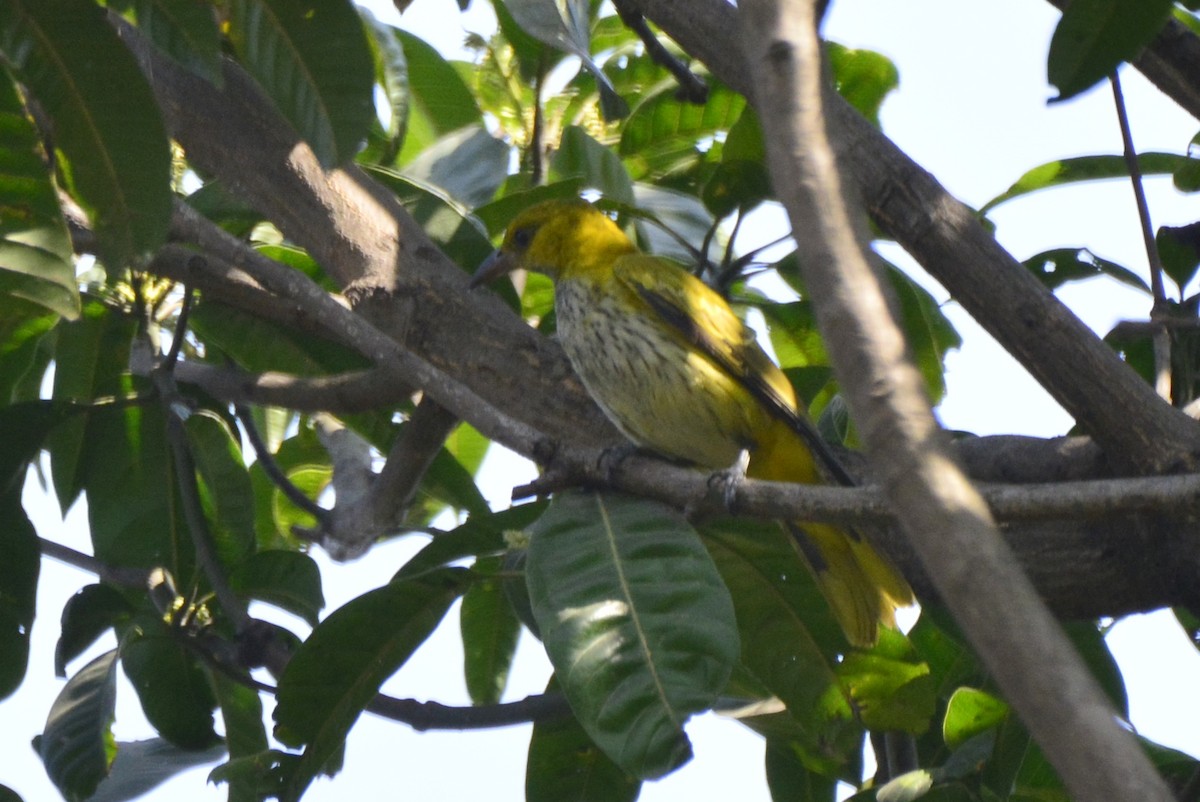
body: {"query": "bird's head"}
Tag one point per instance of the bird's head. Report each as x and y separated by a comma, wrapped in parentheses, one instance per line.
(561, 238)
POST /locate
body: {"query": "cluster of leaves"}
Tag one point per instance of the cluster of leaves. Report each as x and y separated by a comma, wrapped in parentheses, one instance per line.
(646, 618)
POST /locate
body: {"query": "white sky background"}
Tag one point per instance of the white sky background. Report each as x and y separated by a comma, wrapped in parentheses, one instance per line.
(972, 110)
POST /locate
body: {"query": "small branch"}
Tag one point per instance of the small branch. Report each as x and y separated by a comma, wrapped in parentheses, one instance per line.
(943, 516)
(115, 575)
(692, 88)
(410, 458)
(271, 468)
(340, 393)
(423, 716)
(175, 409)
(1159, 310)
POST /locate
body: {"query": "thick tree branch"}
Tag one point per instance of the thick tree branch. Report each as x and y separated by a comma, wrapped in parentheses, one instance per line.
(393, 274)
(942, 514)
(1077, 369)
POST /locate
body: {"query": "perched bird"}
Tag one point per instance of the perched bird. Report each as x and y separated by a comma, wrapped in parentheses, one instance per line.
(679, 373)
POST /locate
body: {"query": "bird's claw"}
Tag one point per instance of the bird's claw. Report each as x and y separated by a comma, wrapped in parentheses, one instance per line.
(727, 481)
(611, 458)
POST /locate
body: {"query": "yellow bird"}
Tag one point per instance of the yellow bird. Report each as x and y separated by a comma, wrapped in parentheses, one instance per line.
(679, 373)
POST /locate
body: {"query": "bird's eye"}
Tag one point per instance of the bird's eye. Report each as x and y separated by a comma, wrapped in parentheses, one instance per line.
(522, 237)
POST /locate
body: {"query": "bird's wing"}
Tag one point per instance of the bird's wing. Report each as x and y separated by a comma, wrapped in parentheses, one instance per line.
(704, 320)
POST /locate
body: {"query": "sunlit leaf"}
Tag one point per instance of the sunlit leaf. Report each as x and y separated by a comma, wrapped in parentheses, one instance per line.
(313, 60)
(1095, 36)
(1085, 168)
(636, 621)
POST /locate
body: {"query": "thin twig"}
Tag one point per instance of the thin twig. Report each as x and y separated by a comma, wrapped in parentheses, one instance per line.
(271, 468)
(1159, 310)
(113, 574)
(692, 88)
(181, 324)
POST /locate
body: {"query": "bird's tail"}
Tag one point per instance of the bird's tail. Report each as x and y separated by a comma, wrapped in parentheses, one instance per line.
(861, 587)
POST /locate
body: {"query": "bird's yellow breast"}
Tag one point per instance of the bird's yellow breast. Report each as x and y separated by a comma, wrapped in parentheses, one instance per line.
(662, 394)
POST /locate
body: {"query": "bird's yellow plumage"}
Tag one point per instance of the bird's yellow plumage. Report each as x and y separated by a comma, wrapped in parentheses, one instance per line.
(679, 373)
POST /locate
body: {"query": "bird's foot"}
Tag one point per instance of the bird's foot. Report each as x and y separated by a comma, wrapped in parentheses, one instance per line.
(611, 458)
(726, 482)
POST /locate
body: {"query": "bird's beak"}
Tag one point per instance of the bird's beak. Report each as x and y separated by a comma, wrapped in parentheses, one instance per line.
(496, 265)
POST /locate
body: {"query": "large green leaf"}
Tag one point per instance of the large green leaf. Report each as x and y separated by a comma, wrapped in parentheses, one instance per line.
(482, 534)
(790, 778)
(636, 621)
(1095, 36)
(391, 74)
(970, 712)
(174, 691)
(108, 133)
(1085, 168)
(18, 588)
(77, 745)
(184, 30)
(661, 135)
(313, 60)
(35, 249)
(790, 640)
(347, 657)
(564, 764)
(438, 100)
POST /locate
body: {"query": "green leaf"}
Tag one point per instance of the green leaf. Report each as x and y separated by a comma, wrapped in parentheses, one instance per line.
(565, 25)
(77, 746)
(391, 75)
(482, 534)
(1089, 641)
(141, 766)
(92, 611)
(305, 462)
(579, 155)
(24, 427)
(891, 686)
(469, 165)
(970, 712)
(184, 30)
(789, 778)
(439, 102)
(661, 135)
(636, 621)
(26, 349)
(35, 249)
(18, 588)
(1179, 250)
(314, 61)
(245, 734)
(863, 77)
(444, 220)
(1187, 176)
(347, 657)
(1062, 265)
(111, 141)
(790, 640)
(929, 333)
(174, 691)
(8, 795)
(224, 485)
(288, 579)
(1085, 168)
(489, 634)
(1095, 36)
(564, 764)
